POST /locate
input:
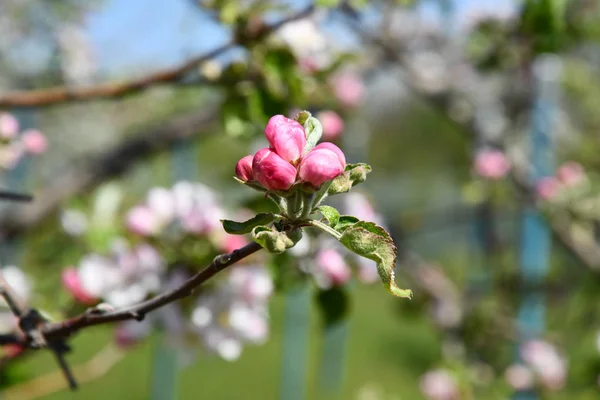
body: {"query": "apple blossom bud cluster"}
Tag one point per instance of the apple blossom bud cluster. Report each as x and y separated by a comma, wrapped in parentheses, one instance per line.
(439, 384)
(235, 312)
(21, 284)
(288, 161)
(542, 365)
(125, 277)
(15, 144)
(569, 176)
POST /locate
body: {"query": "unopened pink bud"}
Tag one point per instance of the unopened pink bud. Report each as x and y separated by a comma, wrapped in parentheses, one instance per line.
(491, 164)
(34, 141)
(320, 165)
(338, 152)
(70, 280)
(332, 264)
(286, 137)
(9, 126)
(570, 173)
(547, 187)
(333, 125)
(243, 169)
(141, 220)
(272, 171)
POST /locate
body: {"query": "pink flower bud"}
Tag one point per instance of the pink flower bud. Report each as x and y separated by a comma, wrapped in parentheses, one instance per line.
(348, 89)
(320, 165)
(338, 152)
(272, 171)
(491, 164)
(34, 141)
(70, 280)
(286, 137)
(570, 173)
(547, 187)
(333, 124)
(243, 169)
(333, 266)
(141, 220)
(9, 126)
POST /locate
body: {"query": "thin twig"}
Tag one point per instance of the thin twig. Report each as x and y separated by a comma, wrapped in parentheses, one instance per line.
(63, 94)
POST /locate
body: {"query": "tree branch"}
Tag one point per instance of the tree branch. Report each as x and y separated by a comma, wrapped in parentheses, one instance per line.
(63, 94)
(61, 330)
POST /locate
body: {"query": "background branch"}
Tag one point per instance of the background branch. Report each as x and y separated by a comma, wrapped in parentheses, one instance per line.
(64, 94)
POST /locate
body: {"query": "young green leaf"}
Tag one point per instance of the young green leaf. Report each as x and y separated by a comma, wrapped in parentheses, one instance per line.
(241, 228)
(352, 176)
(314, 130)
(344, 222)
(331, 214)
(274, 241)
(373, 242)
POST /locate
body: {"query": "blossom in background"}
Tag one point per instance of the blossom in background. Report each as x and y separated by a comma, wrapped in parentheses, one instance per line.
(308, 43)
(14, 146)
(547, 187)
(491, 164)
(124, 277)
(548, 365)
(439, 384)
(570, 173)
(519, 377)
(235, 312)
(348, 88)
(333, 124)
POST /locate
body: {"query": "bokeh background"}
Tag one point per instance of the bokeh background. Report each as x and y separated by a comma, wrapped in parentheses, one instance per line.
(478, 117)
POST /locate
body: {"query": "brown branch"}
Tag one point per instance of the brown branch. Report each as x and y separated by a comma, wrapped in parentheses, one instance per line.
(63, 94)
(64, 329)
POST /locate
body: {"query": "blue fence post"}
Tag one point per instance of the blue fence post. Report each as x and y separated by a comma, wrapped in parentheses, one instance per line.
(165, 373)
(296, 332)
(535, 233)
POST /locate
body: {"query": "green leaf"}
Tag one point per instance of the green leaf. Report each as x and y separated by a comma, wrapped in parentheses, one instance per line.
(371, 241)
(241, 228)
(274, 241)
(345, 222)
(302, 117)
(314, 130)
(352, 176)
(331, 214)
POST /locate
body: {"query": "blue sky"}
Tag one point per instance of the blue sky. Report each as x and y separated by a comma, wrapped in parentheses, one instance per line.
(141, 35)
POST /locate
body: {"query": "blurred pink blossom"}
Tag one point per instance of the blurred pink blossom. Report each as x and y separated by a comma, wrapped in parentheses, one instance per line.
(9, 126)
(570, 173)
(491, 164)
(519, 377)
(333, 125)
(547, 187)
(11, 155)
(142, 221)
(439, 385)
(333, 267)
(546, 362)
(34, 141)
(70, 279)
(348, 89)
(233, 242)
